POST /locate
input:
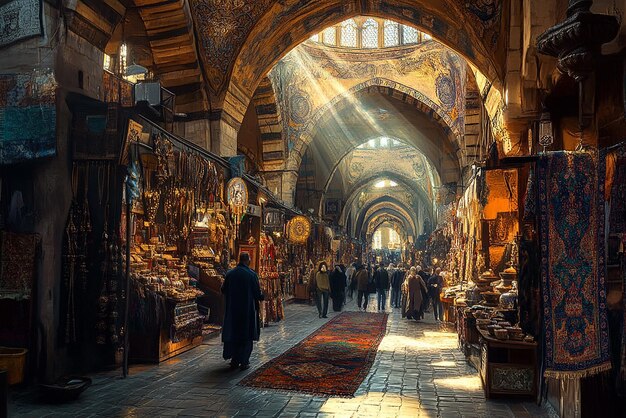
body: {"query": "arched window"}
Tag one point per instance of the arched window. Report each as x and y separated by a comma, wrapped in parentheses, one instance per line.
(409, 35)
(391, 33)
(426, 37)
(315, 38)
(369, 35)
(330, 36)
(348, 33)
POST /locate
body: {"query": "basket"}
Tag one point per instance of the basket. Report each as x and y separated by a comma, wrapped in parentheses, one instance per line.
(13, 360)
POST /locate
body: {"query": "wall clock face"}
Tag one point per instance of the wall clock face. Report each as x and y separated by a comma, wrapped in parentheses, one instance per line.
(237, 193)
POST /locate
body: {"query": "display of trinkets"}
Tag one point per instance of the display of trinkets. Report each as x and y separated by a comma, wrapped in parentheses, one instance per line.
(91, 256)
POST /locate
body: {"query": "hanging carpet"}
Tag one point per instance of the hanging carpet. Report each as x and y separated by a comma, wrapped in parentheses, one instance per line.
(571, 196)
(333, 360)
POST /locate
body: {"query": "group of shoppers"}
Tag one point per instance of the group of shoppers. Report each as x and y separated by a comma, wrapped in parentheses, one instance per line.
(421, 289)
(411, 291)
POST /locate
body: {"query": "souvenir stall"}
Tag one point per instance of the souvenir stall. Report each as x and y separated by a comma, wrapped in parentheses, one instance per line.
(298, 235)
(482, 265)
(172, 201)
(271, 280)
(275, 251)
(243, 194)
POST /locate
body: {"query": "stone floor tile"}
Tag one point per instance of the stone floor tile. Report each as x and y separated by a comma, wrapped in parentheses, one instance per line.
(413, 375)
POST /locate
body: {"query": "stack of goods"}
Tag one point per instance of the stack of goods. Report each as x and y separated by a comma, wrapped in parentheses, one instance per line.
(498, 325)
(186, 322)
(171, 284)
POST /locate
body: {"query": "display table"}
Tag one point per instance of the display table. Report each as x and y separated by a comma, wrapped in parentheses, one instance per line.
(466, 328)
(302, 291)
(449, 312)
(178, 329)
(507, 367)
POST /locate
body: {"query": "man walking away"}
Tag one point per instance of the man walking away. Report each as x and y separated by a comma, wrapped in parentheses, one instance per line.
(396, 284)
(435, 284)
(382, 286)
(362, 279)
(242, 295)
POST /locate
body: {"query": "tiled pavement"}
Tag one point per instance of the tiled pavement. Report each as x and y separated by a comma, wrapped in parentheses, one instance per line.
(418, 372)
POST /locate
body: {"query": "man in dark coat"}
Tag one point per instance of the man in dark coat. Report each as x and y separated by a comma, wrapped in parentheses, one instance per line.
(435, 284)
(362, 280)
(396, 284)
(242, 295)
(337, 288)
(381, 277)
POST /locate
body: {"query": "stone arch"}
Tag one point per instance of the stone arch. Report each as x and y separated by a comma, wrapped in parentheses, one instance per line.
(385, 174)
(270, 124)
(407, 183)
(286, 24)
(391, 201)
(381, 218)
(386, 87)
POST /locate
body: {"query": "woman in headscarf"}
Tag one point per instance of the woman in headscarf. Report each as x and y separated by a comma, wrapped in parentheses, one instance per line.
(415, 289)
(337, 287)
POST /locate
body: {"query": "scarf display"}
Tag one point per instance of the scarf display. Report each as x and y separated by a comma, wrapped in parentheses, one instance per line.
(571, 196)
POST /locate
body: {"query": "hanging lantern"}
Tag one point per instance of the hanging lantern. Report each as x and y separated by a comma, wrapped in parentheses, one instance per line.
(546, 135)
(123, 56)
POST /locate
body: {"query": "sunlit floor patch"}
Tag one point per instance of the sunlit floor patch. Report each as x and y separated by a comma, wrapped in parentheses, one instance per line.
(461, 383)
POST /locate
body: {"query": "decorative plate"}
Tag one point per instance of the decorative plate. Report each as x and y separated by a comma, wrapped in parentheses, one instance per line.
(237, 193)
(299, 229)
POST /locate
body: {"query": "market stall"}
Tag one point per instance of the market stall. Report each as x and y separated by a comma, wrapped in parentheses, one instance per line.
(175, 233)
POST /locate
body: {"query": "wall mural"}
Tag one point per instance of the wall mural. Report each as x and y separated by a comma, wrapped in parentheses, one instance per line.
(488, 14)
(312, 81)
(27, 116)
(450, 20)
(20, 20)
(222, 27)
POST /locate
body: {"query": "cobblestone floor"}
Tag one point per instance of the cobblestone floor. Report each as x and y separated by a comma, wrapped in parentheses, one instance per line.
(418, 372)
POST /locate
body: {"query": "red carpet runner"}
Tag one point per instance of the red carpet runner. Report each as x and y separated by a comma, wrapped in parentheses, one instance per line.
(333, 360)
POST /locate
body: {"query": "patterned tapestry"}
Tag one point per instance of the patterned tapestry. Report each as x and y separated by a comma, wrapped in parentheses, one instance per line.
(27, 116)
(571, 194)
(19, 20)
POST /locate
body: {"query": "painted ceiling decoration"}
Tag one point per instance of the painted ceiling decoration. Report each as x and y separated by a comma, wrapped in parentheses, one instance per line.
(314, 80)
(222, 27)
(472, 28)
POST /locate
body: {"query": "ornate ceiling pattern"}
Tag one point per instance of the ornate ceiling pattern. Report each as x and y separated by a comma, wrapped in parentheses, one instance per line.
(314, 81)
(470, 27)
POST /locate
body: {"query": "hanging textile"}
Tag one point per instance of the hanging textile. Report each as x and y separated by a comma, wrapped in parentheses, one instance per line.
(571, 193)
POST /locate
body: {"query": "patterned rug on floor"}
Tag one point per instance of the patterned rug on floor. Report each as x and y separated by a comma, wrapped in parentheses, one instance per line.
(333, 360)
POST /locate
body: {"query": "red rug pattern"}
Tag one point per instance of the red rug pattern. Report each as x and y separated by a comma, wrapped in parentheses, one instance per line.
(333, 360)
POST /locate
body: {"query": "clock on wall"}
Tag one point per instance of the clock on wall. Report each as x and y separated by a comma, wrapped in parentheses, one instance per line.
(237, 193)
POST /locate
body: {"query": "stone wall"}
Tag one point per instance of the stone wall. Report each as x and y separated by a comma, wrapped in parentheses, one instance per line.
(67, 54)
